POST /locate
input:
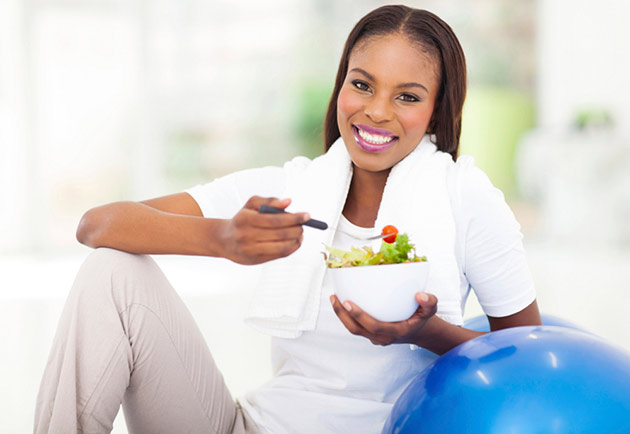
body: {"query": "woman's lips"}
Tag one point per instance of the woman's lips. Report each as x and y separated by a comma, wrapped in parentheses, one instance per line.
(374, 130)
(374, 139)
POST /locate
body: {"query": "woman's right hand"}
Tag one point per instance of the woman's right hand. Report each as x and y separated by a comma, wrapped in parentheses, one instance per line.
(253, 238)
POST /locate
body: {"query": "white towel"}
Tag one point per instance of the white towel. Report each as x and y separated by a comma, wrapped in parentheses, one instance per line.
(415, 200)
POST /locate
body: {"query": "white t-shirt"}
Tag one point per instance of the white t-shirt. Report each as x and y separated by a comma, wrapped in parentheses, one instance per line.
(329, 380)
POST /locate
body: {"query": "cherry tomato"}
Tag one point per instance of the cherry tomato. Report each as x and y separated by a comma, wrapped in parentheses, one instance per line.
(389, 229)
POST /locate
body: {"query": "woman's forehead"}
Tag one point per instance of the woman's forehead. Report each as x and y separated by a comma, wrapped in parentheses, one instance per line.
(394, 55)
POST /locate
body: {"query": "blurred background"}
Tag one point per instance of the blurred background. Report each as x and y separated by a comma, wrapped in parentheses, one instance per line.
(106, 100)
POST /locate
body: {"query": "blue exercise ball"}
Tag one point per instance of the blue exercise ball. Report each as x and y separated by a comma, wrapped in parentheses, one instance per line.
(480, 323)
(534, 379)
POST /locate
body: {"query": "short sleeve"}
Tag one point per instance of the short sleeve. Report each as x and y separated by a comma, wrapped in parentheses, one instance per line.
(225, 196)
(494, 260)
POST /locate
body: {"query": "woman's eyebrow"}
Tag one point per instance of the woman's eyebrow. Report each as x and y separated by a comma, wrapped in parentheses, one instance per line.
(402, 85)
(412, 84)
(364, 72)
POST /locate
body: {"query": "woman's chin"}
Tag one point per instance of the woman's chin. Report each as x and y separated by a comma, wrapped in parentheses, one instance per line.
(371, 166)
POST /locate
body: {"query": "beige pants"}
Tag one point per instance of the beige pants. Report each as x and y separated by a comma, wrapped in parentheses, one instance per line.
(126, 337)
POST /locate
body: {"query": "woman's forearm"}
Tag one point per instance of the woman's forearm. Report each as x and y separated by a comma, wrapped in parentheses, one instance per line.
(440, 336)
(137, 228)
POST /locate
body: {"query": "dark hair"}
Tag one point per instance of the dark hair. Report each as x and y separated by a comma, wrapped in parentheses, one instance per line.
(435, 37)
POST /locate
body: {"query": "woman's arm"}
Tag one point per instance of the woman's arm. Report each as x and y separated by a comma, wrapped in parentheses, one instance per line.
(440, 336)
(169, 224)
(174, 225)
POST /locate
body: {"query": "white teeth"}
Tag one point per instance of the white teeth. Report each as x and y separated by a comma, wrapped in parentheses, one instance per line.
(374, 138)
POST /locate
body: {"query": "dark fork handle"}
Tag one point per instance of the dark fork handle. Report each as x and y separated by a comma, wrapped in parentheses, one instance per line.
(266, 209)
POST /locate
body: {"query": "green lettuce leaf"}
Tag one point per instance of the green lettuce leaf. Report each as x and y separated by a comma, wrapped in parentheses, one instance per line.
(400, 251)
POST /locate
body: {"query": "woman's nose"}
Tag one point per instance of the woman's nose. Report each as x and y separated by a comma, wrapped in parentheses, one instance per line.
(379, 110)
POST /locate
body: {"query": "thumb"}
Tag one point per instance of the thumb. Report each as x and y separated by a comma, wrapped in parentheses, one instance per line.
(255, 202)
(278, 203)
(428, 304)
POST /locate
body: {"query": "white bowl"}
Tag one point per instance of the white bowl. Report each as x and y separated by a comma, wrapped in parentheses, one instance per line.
(386, 292)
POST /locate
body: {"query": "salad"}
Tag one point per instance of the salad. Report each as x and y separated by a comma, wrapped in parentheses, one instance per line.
(395, 249)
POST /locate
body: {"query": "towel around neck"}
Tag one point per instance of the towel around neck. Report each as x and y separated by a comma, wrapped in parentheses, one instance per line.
(415, 200)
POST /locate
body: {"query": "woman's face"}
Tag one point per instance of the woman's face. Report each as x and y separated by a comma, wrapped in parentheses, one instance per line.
(386, 101)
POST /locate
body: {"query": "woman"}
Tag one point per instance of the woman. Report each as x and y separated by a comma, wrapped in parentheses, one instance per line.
(392, 136)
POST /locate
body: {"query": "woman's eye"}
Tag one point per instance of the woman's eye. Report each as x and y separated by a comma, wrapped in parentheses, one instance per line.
(360, 85)
(407, 97)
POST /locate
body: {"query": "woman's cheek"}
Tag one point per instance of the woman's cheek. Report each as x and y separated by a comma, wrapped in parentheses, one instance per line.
(415, 122)
(347, 103)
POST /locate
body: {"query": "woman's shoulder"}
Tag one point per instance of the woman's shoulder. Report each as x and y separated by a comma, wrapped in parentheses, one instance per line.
(297, 163)
(465, 168)
(275, 175)
(471, 190)
(466, 176)
(335, 158)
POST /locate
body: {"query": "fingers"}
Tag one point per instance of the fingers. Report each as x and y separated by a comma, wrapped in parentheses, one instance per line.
(255, 246)
(263, 252)
(255, 202)
(255, 227)
(428, 305)
(271, 221)
(260, 235)
(360, 323)
(344, 315)
(253, 237)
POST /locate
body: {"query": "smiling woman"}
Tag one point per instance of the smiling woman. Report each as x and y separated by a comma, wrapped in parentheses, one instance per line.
(382, 103)
(399, 78)
(425, 56)
(392, 137)
(383, 111)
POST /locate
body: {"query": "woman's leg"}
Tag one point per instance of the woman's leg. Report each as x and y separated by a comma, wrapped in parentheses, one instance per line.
(126, 337)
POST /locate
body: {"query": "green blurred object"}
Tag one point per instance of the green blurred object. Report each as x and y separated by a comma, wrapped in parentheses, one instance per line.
(494, 119)
(593, 117)
(313, 97)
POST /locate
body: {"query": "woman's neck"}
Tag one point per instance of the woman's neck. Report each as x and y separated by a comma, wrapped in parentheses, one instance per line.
(364, 196)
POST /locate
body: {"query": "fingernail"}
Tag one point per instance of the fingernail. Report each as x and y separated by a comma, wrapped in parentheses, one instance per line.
(347, 306)
(424, 297)
(306, 217)
(332, 301)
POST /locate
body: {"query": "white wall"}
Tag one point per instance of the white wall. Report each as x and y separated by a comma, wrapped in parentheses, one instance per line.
(12, 111)
(584, 60)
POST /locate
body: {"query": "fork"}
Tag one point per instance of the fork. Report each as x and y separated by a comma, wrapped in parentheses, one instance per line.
(317, 224)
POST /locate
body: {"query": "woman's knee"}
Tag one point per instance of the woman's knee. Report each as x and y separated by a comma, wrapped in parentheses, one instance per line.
(124, 277)
(104, 258)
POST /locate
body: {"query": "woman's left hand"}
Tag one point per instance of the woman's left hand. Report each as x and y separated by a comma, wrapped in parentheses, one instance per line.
(384, 333)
